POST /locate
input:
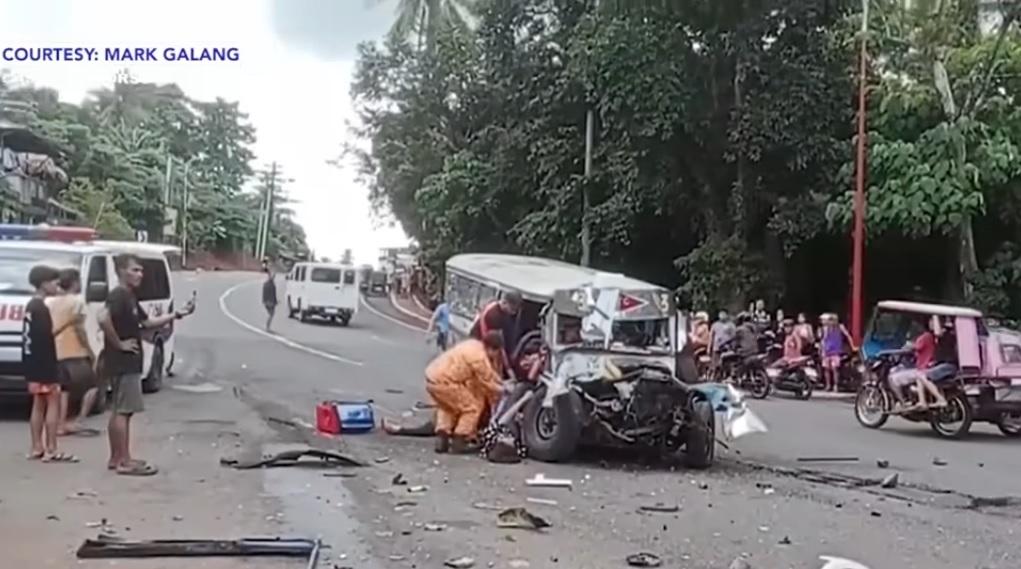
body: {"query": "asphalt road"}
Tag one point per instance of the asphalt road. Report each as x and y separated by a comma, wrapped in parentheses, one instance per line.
(759, 501)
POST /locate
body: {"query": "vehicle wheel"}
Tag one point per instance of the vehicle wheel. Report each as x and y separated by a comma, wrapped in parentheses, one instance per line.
(154, 381)
(700, 448)
(303, 315)
(345, 322)
(805, 393)
(1010, 424)
(954, 420)
(291, 311)
(552, 435)
(872, 406)
(761, 387)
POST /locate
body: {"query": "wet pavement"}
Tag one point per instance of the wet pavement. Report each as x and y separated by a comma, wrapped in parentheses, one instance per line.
(759, 503)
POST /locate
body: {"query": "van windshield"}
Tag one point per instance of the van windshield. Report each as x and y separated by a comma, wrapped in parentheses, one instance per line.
(646, 334)
(15, 265)
(324, 275)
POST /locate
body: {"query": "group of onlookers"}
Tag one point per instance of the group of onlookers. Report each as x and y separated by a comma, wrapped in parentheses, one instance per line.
(59, 361)
(831, 341)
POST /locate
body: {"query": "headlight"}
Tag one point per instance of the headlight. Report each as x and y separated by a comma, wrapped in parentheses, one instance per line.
(772, 372)
(811, 372)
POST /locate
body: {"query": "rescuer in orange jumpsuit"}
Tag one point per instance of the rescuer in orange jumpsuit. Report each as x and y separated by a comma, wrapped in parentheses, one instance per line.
(463, 382)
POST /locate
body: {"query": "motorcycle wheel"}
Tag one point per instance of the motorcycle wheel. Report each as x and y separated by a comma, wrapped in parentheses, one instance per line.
(872, 406)
(1010, 425)
(957, 412)
(805, 393)
(761, 386)
(700, 446)
(552, 435)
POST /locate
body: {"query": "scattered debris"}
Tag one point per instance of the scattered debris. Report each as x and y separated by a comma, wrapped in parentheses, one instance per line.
(197, 387)
(53, 518)
(740, 563)
(396, 558)
(840, 563)
(518, 564)
(404, 505)
(785, 540)
(828, 459)
(293, 458)
(660, 508)
(460, 563)
(178, 518)
(644, 560)
(106, 547)
(485, 506)
(384, 534)
(540, 480)
(417, 489)
(339, 475)
(82, 494)
(520, 518)
(890, 481)
(763, 529)
(703, 485)
(541, 501)
(875, 514)
(883, 463)
(394, 391)
(939, 461)
(382, 459)
(434, 527)
(420, 405)
(398, 480)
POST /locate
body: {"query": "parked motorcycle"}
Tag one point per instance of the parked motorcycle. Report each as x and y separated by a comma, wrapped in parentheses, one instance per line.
(874, 403)
(798, 376)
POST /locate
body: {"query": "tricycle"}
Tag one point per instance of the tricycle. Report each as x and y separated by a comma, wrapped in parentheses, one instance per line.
(977, 370)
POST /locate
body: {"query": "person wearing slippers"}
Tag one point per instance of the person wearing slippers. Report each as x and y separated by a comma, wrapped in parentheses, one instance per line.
(75, 360)
(39, 355)
(122, 325)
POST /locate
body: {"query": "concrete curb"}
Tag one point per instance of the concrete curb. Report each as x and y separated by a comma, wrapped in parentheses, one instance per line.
(397, 306)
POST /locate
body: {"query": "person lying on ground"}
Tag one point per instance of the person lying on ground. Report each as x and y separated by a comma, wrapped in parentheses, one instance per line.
(463, 382)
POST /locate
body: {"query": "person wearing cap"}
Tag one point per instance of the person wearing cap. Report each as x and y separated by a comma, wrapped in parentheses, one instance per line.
(500, 316)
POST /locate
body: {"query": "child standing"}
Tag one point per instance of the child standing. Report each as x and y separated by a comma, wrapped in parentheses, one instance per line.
(39, 357)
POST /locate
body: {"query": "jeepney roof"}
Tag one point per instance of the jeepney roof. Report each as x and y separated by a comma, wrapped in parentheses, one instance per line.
(537, 277)
(925, 308)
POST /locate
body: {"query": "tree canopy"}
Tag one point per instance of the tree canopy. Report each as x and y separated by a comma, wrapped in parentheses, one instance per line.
(121, 143)
(723, 155)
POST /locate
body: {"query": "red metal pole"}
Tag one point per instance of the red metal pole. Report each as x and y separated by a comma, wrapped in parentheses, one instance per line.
(859, 204)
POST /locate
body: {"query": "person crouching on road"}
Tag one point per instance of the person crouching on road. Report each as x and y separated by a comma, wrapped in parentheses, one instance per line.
(463, 382)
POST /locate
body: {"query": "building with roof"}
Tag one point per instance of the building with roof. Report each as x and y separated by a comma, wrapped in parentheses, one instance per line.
(30, 178)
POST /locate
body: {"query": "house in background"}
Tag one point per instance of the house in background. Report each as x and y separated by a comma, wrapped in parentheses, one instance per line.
(30, 179)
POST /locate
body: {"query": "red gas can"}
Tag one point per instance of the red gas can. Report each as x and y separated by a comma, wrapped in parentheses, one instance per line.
(327, 419)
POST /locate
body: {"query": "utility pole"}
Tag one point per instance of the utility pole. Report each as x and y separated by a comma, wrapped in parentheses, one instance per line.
(858, 256)
(586, 199)
(267, 212)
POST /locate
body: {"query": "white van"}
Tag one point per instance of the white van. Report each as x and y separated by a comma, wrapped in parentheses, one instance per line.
(95, 262)
(324, 290)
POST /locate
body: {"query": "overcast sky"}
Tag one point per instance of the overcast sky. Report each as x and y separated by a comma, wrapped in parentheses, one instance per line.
(297, 59)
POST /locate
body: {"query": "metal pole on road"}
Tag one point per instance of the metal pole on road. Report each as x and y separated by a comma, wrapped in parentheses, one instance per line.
(859, 191)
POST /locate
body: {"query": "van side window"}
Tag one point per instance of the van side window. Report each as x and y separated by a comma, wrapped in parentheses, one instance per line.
(349, 277)
(97, 271)
(155, 281)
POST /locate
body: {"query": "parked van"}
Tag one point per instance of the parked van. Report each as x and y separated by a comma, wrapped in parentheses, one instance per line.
(323, 290)
(95, 261)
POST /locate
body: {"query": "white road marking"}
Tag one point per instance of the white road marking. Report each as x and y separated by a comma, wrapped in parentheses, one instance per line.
(375, 311)
(397, 306)
(277, 338)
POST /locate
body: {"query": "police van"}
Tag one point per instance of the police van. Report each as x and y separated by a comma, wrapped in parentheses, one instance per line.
(23, 247)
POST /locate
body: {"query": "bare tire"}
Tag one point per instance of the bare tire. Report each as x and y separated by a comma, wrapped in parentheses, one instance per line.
(761, 386)
(1010, 425)
(700, 448)
(552, 435)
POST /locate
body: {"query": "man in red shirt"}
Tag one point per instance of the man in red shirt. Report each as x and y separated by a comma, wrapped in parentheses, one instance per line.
(925, 350)
(500, 316)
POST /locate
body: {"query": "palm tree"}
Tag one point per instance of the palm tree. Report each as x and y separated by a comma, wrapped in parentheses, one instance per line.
(426, 18)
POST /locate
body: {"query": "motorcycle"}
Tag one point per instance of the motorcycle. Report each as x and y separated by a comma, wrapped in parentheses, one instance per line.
(874, 402)
(798, 376)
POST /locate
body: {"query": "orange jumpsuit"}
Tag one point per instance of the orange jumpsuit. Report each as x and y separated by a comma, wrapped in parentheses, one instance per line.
(462, 382)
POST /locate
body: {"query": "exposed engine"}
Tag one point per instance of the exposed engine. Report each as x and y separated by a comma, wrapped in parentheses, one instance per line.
(641, 404)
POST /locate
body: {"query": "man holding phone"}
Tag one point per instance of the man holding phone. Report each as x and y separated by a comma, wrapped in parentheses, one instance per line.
(122, 329)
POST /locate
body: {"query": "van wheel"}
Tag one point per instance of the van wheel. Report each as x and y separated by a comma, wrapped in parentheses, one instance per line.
(552, 435)
(700, 447)
(154, 381)
(303, 315)
(291, 311)
(345, 321)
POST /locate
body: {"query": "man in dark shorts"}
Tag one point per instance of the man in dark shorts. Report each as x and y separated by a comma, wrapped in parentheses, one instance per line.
(75, 361)
(501, 316)
(122, 329)
(39, 358)
(269, 297)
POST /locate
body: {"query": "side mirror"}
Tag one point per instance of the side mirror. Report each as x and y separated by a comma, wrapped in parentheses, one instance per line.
(96, 292)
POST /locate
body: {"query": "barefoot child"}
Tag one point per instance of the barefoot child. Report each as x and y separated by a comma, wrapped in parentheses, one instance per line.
(39, 354)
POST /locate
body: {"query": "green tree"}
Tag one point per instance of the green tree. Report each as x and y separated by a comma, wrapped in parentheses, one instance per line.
(426, 19)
